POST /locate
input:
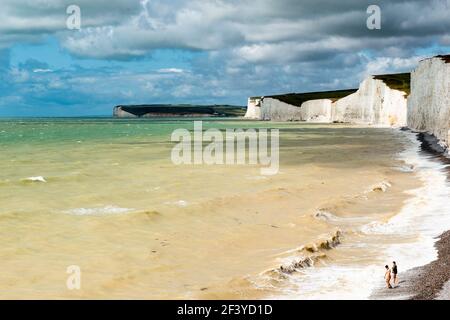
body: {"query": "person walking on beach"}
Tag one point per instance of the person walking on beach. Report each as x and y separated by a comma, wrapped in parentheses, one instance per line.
(394, 272)
(387, 277)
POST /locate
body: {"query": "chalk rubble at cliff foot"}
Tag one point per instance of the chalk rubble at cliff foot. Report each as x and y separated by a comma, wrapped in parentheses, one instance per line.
(429, 101)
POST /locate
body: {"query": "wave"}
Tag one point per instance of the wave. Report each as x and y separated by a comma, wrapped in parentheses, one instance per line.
(327, 216)
(35, 179)
(107, 210)
(305, 256)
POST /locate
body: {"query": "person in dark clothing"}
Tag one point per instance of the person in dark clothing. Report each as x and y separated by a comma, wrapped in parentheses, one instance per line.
(394, 273)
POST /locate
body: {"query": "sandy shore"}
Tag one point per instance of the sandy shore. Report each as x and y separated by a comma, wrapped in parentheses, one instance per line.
(431, 281)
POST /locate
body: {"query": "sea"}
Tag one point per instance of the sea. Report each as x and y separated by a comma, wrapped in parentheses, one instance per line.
(103, 195)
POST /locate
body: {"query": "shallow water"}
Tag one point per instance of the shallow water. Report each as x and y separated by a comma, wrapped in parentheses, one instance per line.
(111, 201)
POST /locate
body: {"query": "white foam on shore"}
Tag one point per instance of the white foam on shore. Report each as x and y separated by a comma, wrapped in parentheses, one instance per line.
(108, 210)
(382, 186)
(179, 203)
(35, 179)
(424, 217)
(335, 282)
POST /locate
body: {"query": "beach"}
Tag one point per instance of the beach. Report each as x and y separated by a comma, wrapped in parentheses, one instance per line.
(429, 281)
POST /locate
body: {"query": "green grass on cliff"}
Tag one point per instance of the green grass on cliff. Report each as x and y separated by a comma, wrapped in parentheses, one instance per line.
(297, 99)
(398, 81)
(182, 110)
(446, 58)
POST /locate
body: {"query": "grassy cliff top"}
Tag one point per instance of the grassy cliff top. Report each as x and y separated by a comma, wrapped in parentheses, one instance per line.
(446, 57)
(397, 81)
(184, 109)
(297, 99)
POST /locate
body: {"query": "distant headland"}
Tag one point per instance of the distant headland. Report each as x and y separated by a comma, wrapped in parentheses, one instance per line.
(177, 110)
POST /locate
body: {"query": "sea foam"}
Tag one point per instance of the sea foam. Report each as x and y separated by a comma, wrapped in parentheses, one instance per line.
(35, 179)
(108, 210)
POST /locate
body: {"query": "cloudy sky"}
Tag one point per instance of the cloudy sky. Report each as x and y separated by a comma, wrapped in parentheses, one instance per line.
(202, 51)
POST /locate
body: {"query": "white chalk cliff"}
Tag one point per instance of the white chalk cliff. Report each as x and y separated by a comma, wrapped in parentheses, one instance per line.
(426, 109)
(316, 110)
(374, 103)
(253, 108)
(276, 110)
(429, 101)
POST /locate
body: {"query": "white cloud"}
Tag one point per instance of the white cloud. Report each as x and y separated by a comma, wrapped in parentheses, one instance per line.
(236, 48)
(121, 29)
(170, 70)
(382, 65)
(42, 70)
(25, 20)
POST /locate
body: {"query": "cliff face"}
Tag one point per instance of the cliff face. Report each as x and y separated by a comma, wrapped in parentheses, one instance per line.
(316, 111)
(118, 112)
(276, 110)
(374, 103)
(253, 108)
(429, 101)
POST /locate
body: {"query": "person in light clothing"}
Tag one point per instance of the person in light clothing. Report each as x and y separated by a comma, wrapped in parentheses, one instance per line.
(387, 277)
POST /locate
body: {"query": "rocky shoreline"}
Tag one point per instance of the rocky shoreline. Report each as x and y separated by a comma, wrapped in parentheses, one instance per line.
(427, 282)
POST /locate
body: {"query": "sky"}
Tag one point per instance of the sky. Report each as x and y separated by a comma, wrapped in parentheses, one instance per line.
(202, 51)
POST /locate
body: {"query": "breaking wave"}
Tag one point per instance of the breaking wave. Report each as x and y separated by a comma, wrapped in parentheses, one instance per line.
(35, 179)
(305, 256)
